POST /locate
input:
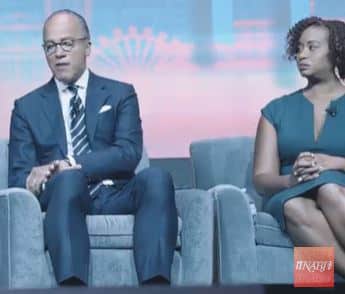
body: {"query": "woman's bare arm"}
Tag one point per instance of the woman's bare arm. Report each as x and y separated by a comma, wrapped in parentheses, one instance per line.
(267, 180)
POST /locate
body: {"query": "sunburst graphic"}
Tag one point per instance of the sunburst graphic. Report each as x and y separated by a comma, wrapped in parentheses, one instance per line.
(142, 51)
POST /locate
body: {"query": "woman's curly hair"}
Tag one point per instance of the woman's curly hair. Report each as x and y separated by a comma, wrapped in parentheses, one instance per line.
(336, 40)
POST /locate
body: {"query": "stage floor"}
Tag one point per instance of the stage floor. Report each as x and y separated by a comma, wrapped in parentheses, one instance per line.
(252, 289)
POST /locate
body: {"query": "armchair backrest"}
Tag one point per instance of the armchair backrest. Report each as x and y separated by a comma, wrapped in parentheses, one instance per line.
(224, 161)
(143, 163)
(3, 163)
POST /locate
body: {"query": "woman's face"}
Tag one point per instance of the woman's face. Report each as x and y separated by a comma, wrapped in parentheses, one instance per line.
(312, 56)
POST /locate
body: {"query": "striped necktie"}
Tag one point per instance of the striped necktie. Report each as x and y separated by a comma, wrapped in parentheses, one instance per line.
(80, 141)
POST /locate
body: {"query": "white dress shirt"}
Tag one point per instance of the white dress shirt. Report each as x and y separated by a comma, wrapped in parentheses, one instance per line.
(65, 96)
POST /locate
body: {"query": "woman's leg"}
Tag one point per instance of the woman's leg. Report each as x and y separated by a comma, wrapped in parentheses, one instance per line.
(331, 201)
(307, 226)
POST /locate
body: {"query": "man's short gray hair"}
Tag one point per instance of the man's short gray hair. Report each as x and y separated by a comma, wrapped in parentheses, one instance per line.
(71, 12)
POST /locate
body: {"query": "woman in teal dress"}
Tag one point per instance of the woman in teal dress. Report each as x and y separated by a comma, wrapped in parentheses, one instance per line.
(300, 142)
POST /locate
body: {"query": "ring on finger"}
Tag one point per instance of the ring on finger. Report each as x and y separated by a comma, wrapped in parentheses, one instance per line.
(312, 155)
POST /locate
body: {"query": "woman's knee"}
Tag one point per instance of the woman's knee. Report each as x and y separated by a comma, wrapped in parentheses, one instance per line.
(331, 196)
(297, 211)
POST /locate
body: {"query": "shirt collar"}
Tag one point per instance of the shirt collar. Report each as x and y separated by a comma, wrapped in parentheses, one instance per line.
(81, 83)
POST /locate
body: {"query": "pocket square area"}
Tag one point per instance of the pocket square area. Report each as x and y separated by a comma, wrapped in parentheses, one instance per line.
(105, 108)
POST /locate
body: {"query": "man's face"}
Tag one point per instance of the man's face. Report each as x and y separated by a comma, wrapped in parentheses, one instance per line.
(66, 66)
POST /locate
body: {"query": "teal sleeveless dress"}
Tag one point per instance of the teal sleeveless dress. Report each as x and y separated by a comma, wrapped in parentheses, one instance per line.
(293, 119)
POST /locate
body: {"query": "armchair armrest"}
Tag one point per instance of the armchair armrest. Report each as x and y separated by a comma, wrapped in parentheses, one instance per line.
(22, 257)
(236, 236)
(196, 209)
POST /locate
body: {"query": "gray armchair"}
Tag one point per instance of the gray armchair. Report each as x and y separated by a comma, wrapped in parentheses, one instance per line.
(24, 262)
(251, 247)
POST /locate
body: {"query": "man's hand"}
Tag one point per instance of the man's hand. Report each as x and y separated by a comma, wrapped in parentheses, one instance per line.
(62, 165)
(38, 176)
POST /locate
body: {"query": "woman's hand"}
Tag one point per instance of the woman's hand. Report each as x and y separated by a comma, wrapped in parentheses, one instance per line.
(307, 166)
(327, 162)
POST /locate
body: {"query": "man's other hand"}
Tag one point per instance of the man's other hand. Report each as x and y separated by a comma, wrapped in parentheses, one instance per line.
(61, 165)
(38, 176)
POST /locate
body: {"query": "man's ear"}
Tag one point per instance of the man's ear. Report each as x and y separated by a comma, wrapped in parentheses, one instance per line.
(88, 49)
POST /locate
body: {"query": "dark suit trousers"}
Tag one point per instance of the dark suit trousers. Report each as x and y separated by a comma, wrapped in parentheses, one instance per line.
(149, 196)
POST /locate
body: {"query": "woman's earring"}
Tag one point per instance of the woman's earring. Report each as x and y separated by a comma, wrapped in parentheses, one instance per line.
(337, 74)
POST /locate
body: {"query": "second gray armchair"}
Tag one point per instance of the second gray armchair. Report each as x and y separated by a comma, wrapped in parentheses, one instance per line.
(251, 247)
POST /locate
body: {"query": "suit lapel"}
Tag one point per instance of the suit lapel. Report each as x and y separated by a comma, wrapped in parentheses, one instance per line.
(53, 111)
(95, 97)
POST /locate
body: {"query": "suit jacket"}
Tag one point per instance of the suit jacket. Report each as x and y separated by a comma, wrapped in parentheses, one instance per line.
(37, 132)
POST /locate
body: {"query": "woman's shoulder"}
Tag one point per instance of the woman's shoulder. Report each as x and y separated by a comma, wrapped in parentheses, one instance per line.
(285, 100)
(277, 108)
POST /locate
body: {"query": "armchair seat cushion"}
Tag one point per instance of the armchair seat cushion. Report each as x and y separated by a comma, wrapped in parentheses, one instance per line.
(115, 231)
(268, 232)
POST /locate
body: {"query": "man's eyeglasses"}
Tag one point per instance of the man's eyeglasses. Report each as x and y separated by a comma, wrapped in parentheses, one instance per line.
(67, 45)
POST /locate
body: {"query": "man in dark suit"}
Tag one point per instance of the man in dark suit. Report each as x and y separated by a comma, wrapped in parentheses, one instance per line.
(75, 143)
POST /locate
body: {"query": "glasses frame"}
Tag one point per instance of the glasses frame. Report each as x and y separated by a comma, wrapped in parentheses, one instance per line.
(55, 45)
